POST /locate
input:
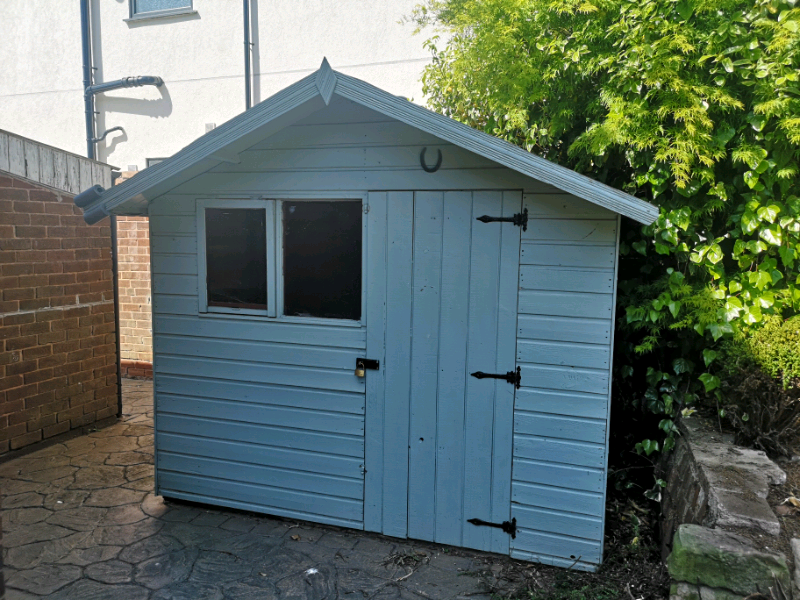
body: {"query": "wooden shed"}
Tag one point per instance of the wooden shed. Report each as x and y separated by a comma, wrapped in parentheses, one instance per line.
(370, 315)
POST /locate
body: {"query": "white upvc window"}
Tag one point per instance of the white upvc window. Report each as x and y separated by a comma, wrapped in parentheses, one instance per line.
(159, 8)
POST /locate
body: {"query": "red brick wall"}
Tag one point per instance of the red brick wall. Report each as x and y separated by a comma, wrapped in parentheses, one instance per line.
(135, 321)
(135, 325)
(57, 347)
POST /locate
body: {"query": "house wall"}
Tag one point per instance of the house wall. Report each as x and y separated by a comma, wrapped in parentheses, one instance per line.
(57, 351)
(566, 306)
(199, 56)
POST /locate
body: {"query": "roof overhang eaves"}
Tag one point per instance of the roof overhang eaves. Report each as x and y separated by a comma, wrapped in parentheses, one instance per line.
(315, 91)
(287, 106)
(496, 149)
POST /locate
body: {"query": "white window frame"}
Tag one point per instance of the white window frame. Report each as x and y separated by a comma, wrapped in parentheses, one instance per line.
(202, 273)
(153, 14)
(273, 203)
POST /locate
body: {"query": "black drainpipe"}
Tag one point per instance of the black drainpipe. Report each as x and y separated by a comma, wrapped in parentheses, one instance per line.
(88, 100)
(247, 94)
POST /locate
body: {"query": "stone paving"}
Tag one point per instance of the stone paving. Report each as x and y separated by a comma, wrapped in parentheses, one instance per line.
(80, 521)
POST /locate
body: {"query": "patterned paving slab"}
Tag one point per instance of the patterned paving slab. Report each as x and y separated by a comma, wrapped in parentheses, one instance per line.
(81, 522)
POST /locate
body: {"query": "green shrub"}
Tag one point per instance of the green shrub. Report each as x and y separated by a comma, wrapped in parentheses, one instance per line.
(763, 414)
(773, 349)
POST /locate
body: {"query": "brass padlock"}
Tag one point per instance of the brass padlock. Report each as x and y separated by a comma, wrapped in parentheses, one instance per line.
(360, 370)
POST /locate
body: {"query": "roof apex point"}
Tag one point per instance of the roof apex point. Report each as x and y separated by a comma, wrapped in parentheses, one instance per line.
(326, 81)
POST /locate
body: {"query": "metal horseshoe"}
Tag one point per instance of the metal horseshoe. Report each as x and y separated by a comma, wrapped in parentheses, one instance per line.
(425, 167)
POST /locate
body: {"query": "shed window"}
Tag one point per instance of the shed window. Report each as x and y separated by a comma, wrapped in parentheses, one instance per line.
(322, 259)
(296, 259)
(236, 257)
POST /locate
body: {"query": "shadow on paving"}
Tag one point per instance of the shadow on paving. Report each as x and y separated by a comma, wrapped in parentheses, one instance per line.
(81, 522)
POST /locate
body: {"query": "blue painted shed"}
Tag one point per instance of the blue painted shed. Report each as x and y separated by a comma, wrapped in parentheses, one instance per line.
(327, 299)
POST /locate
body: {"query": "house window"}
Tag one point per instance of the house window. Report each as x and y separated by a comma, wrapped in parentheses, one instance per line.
(153, 8)
(295, 259)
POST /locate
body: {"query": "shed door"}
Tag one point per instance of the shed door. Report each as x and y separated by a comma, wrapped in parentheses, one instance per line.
(445, 440)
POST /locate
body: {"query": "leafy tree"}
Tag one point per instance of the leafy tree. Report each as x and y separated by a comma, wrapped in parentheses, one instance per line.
(693, 105)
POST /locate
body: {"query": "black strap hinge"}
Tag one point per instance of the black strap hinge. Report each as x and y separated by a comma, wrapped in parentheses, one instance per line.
(510, 527)
(519, 219)
(512, 377)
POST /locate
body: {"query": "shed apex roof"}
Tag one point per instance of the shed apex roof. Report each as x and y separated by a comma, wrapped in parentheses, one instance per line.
(313, 93)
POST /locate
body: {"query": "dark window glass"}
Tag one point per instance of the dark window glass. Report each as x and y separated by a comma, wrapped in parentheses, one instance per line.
(236, 257)
(322, 259)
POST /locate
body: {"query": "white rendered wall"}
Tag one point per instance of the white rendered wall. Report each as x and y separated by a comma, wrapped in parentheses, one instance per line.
(199, 56)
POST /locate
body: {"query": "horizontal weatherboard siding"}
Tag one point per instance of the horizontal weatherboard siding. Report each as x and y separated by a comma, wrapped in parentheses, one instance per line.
(564, 255)
(219, 327)
(563, 353)
(580, 454)
(272, 500)
(564, 331)
(278, 436)
(251, 413)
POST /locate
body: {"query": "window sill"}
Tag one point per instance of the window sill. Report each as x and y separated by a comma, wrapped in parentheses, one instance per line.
(161, 14)
(284, 319)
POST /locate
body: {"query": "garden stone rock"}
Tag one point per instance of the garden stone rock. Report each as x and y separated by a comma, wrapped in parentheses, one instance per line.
(796, 581)
(684, 591)
(731, 509)
(719, 559)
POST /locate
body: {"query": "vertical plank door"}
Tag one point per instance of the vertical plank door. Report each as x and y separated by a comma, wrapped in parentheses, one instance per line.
(451, 290)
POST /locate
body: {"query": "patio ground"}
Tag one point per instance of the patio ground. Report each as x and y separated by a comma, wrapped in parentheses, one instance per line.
(80, 521)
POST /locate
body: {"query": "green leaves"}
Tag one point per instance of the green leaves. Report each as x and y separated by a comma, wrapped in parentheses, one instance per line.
(710, 382)
(692, 106)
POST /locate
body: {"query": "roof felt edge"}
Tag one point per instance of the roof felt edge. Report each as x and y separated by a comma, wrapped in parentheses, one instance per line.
(321, 85)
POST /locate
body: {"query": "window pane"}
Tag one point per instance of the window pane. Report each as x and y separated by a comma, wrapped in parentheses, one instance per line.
(140, 6)
(236, 257)
(322, 259)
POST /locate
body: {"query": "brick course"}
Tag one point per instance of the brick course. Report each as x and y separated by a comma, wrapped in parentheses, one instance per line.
(57, 351)
(136, 342)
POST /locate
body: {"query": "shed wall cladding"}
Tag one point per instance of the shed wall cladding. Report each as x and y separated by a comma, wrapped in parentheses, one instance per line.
(264, 415)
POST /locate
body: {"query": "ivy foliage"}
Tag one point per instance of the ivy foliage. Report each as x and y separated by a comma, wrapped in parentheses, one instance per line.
(693, 105)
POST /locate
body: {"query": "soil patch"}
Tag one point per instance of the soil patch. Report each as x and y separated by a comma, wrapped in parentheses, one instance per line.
(788, 514)
(632, 568)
